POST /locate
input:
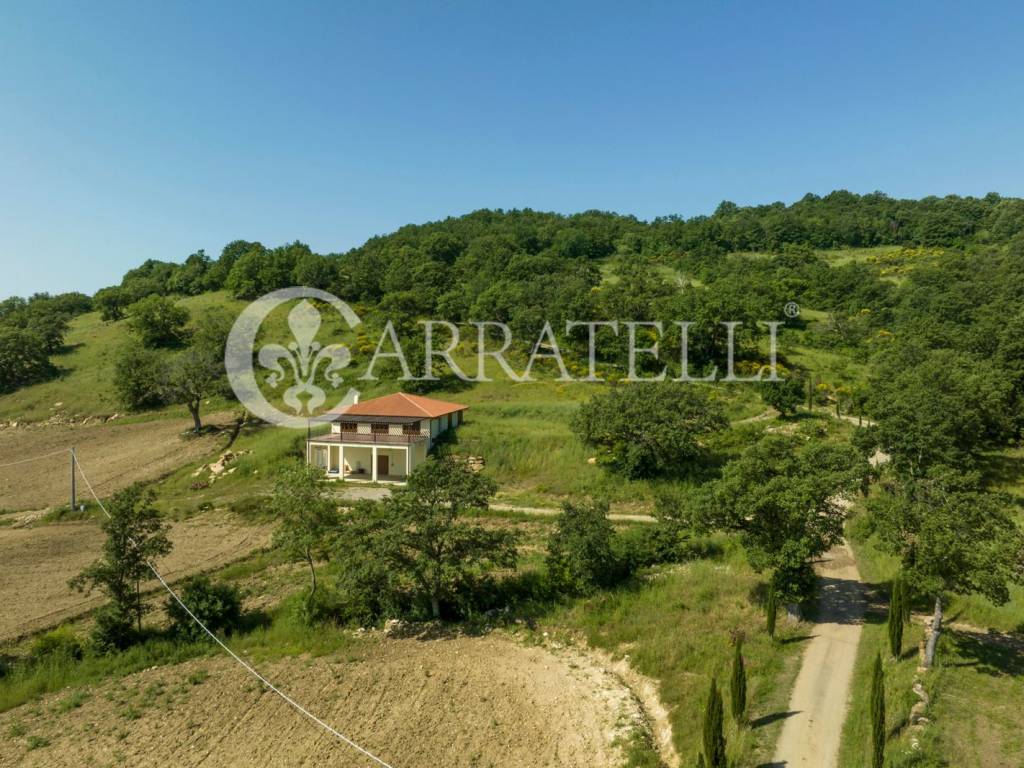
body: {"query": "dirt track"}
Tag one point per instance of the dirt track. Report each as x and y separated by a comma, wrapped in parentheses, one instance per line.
(810, 735)
(36, 563)
(114, 456)
(415, 703)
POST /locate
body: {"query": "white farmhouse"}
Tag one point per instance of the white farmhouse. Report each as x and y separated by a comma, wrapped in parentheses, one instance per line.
(382, 440)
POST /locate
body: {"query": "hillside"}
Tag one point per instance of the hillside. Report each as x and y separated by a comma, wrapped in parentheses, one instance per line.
(869, 318)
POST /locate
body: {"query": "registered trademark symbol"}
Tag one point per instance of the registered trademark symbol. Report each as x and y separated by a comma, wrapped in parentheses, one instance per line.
(792, 309)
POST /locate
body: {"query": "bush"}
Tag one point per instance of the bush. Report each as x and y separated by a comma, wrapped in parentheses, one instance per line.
(60, 644)
(218, 606)
(320, 606)
(114, 629)
(581, 556)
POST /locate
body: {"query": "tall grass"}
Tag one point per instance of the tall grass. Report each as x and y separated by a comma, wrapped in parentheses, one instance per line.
(676, 626)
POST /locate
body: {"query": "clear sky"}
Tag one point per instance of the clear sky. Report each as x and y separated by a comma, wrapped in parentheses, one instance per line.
(150, 129)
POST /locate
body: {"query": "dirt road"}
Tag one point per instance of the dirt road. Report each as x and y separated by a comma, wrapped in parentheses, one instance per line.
(811, 733)
(36, 563)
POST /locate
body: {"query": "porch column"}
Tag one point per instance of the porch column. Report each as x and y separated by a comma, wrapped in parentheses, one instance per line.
(373, 463)
(341, 463)
(408, 460)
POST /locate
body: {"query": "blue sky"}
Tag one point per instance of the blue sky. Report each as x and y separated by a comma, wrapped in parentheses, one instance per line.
(150, 130)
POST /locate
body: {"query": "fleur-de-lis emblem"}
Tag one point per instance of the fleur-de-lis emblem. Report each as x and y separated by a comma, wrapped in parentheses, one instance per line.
(304, 357)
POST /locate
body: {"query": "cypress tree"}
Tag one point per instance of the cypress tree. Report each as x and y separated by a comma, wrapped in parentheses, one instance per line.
(772, 609)
(714, 740)
(738, 686)
(877, 715)
(905, 600)
(896, 620)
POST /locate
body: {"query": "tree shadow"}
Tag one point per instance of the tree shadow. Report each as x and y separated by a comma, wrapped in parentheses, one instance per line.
(992, 654)
(774, 717)
(840, 601)
(796, 639)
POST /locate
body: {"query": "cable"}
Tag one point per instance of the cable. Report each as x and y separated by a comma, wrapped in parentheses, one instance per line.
(245, 665)
(36, 458)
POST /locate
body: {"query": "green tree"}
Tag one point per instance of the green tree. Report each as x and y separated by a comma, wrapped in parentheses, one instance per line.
(111, 303)
(784, 496)
(307, 517)
(939, 407)
(785, 396)
(421, 534)
(198, 373)
(158, 321)
(139, 377)
(645, 430)
(895, 620)
(714, 738)
(136, 536)
(738, 683)
(23, 358)
(950, 536)
(877, 714)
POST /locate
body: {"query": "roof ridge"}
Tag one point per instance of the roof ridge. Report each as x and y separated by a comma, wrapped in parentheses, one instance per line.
(409, 399)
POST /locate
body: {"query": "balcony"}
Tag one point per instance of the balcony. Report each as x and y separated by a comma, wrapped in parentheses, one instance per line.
(362, 438)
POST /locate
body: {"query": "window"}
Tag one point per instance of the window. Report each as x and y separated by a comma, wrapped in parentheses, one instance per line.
(379, 428)
(411, 429)
(349, 426)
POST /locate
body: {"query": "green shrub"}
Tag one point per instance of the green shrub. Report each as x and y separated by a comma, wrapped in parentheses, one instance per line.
(60, 644)
(581, 557)
(218, 606)
(115, 629)
(325, 604)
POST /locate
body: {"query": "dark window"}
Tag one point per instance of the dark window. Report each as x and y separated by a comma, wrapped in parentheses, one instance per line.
(379, 428)
(349, 426)
(411, 429)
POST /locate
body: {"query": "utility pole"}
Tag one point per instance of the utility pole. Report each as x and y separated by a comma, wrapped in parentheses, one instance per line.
(73, 501)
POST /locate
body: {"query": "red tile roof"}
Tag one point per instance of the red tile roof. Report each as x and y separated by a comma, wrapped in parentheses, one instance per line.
(401, 404)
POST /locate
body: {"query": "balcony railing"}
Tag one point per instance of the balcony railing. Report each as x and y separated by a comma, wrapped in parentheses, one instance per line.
(363, 438)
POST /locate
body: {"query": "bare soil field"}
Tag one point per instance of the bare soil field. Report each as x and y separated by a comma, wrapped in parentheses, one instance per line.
(415, 703)
(114, 456)
(36, 563)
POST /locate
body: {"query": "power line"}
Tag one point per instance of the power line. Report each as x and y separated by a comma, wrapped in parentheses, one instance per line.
(245, 665)
(35, 458)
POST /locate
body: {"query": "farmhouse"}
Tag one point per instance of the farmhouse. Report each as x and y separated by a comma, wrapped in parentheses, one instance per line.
(382, 440)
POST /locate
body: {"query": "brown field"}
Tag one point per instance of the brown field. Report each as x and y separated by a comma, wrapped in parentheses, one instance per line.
(114, 456)
(415, 703)
(36, 563)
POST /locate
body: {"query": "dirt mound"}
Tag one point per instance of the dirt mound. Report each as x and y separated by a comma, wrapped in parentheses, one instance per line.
(37, 563)
(415, 703)
(114, 455)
